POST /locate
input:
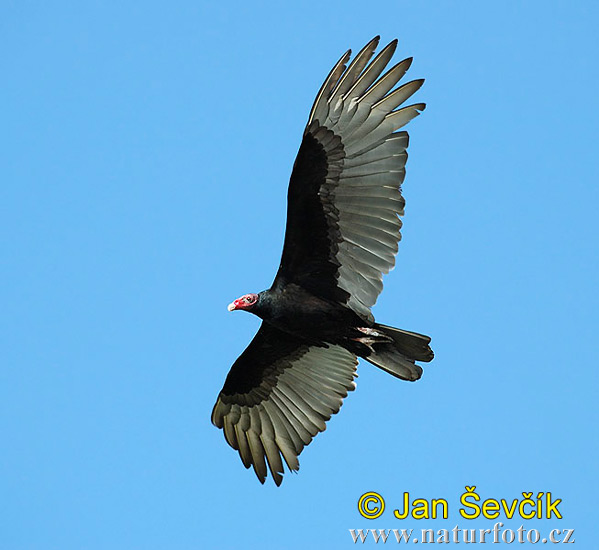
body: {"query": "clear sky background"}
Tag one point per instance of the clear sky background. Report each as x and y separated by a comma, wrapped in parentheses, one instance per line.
(145, 151)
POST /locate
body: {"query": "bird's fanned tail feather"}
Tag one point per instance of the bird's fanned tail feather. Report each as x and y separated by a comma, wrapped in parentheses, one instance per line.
(399, 356)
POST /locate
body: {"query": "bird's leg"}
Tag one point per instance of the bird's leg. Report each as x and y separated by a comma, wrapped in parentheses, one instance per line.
(373, 336)
(372, 332)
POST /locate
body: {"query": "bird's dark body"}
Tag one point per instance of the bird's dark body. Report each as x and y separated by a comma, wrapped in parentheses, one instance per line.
(294, 310)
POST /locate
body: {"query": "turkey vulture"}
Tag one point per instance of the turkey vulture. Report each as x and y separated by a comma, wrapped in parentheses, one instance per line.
(342, 232)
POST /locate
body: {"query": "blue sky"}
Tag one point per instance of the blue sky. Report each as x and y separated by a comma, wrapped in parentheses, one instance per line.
(146, 150)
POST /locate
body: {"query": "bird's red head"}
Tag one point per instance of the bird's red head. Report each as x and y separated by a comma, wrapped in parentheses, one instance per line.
(247, 302)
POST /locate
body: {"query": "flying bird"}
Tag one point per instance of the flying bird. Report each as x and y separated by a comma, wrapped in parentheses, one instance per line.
(343, 228)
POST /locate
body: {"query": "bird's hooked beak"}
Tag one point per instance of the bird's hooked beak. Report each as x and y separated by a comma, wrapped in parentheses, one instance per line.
(232, 306)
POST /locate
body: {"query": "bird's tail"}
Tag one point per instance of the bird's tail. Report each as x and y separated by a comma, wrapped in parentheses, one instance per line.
(399, 353)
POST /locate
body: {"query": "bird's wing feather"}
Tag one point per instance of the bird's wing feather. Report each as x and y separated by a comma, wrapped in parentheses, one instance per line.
(344, 198)
(278, 396)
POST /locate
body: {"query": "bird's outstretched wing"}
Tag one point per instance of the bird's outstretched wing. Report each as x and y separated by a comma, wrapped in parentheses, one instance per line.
(344, 195)
(278, 396)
